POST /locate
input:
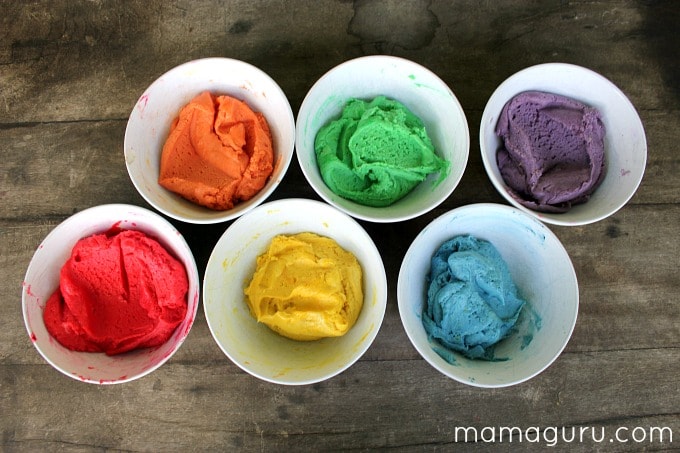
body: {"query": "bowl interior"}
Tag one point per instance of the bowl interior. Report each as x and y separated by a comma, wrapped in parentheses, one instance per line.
(42, 279)
(625, 141)
(149, 125)
(425, 94)
(542, 271)
(253, 346)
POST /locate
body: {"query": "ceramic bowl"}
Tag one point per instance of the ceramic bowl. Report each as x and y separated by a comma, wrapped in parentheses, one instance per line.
(422, 92)
(625, 142)
(541, 270)
(149, 125)
(253, 346)
(42, 279)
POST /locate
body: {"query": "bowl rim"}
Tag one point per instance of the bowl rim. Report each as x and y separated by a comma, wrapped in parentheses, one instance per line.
(381, 290)
(347, 206)
(489, 165)
(426, 352)
(189, 263)
(284, 158)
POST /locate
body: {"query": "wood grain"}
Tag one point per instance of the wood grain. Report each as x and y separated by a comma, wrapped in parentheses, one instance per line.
(70, 73)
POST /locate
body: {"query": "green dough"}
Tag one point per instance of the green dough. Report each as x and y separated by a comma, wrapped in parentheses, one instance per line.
(376, 153)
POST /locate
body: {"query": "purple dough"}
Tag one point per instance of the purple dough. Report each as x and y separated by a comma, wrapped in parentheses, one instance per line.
(553, 153)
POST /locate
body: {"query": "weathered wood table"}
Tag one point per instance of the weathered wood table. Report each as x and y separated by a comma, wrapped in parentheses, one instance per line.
(71, 72)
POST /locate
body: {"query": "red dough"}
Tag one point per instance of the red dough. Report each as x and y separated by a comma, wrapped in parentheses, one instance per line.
(117, 293)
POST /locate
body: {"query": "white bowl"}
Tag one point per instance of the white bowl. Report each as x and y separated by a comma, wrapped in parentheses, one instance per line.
(425, 94)
(253, 346)
(625, 142)
(42, 279)
(149, 125)
(539, 266)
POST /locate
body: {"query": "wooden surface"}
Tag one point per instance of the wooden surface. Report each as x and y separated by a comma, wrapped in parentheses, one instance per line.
(71, 72)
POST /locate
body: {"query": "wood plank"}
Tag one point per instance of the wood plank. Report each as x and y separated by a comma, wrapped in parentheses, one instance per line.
(217, 406)
(57, 169)
(93, 60)
(70, 73)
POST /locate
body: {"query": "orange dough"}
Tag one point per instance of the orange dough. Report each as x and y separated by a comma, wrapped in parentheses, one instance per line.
(219, 152)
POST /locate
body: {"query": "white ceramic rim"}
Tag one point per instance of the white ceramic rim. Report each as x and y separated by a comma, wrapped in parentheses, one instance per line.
(425, 350)
(373, 214)
(490, 115)
(381, 288)
(123, 211)
(279, 160)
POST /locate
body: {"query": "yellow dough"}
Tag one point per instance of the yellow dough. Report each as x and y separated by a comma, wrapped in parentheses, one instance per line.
(306, 287)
